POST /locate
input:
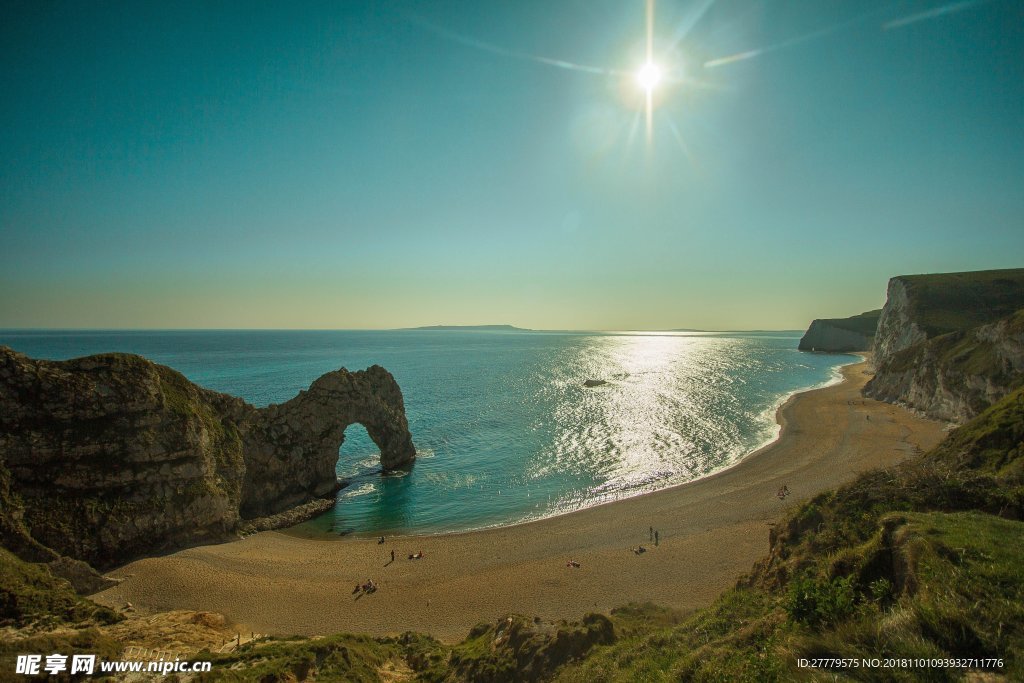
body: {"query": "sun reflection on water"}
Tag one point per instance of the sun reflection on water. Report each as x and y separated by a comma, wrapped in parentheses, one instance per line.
(656, 419)
(513, 433)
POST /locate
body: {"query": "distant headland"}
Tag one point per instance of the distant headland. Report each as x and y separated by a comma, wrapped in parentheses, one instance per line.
(468, 328)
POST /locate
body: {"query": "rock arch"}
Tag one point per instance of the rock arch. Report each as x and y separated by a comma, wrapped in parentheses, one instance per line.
(291, 450)
(108, 457)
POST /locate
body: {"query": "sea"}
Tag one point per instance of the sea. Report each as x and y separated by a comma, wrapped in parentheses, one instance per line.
(504, 427)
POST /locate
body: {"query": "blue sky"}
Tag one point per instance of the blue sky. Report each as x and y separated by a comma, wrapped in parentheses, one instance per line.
(385, 164)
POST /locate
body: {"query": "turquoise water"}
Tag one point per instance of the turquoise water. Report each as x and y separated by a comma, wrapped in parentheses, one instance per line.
(504, 427)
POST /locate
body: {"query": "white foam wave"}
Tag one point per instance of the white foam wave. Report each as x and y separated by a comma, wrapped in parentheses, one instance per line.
(361, 490)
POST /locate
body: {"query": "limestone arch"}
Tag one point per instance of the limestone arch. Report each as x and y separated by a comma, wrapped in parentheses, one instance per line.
(292, 449)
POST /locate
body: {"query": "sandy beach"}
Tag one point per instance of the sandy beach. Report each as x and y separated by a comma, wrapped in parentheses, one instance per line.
(711, 531)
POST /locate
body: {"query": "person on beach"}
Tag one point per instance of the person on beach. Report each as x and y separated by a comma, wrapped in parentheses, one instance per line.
(392, 555)
(655, 538)
(380, 541)
(651, 530)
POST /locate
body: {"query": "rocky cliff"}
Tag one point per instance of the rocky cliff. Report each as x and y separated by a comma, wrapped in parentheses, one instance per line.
(956, 375)
(109, 457)
(950, 344)
(841, 334)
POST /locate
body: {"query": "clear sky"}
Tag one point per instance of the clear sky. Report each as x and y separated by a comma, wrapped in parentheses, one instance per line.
(388, 164)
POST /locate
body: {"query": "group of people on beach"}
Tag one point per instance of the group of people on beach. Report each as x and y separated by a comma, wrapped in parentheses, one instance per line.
(418, 555)
(370, 586)
(652, 535)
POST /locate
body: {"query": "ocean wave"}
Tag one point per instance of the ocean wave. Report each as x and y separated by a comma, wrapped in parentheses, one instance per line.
(363, 489)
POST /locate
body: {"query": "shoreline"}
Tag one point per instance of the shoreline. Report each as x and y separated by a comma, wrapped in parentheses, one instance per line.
(712, 531)
(838, 377)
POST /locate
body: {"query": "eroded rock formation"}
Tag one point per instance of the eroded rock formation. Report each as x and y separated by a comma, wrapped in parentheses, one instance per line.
(950, 344)
(955, 376)
(112, 456)
(291, 449)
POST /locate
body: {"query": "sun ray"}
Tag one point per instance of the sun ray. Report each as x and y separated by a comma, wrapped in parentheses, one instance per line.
(682, 142)
(687, 25)
(505, 52)
(633, 129)
(792, 42)
(933, 13)
(650, 67)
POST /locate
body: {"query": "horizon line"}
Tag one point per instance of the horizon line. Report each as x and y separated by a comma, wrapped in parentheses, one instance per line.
(423, 328)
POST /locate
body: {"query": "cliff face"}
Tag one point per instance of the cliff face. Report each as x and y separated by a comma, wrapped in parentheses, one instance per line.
(897, 326)
(841, 334)
(955, 376)
(950, 344)
(112, 456)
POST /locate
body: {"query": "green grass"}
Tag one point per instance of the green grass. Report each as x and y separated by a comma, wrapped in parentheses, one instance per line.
(87, 641)
(31, 595)
(349, 658)
(949, 302)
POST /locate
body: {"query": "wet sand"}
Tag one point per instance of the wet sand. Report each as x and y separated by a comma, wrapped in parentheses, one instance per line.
(711, 532)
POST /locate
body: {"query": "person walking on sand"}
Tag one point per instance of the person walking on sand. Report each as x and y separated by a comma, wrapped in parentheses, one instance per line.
(655, 538)
(651, 530)
(392, 555)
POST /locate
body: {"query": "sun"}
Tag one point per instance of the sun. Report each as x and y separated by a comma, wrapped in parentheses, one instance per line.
(649, 76)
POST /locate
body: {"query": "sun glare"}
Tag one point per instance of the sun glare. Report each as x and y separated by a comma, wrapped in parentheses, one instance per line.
(649, 76)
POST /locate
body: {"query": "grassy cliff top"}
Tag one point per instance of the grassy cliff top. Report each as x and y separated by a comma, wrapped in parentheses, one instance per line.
(948, 302)
(864, 323)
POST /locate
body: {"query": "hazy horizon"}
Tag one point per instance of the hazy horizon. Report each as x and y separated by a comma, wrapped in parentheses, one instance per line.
(380, 166)
(382, 329)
